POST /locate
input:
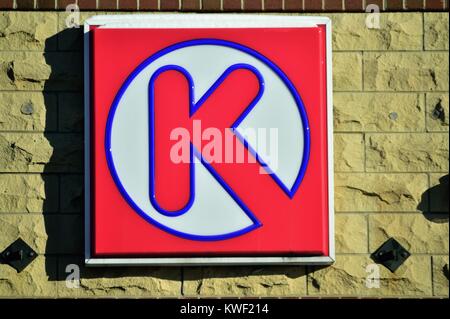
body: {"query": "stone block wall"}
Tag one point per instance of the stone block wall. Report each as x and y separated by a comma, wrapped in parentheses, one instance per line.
(391, 121)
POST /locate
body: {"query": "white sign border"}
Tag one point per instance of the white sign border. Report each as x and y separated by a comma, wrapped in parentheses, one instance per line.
(206, 21)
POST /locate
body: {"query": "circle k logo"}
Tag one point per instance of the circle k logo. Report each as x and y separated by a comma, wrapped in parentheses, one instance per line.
(188, 129)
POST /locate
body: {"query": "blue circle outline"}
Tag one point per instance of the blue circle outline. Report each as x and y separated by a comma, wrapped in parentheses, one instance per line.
(306, 134)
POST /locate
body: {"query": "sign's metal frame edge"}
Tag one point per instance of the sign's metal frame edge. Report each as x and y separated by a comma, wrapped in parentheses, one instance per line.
(212, 21)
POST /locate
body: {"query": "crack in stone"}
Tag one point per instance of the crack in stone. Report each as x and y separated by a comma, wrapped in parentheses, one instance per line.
(374, 147)
(315, 283)
(10, 71)
(386, 36)
(30, 80)
(243, 286)
(367, 193)
(108, 289)
(439, 112)
(29, 37)
(272, 284)
(22, 150)
(199, 287)
(433, 77)
(351, 121)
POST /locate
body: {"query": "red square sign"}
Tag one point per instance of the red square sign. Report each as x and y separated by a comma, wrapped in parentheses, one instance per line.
(209, 140)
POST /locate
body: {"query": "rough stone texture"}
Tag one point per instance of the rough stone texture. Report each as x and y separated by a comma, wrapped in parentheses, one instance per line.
(72, 193)
(21, 193)
(23, 71)
(31, 228)
(436, 31)
(440, 276)
(27, 111)
(379, 192)
(50, 234)
(71, 112)
(38, 71)
(348, 153)
(26, 152)
(407, 152)
(347, 71)
(347, 277)
(378, 112)
(120, 281)
(33, 281)
(437, 112)
(439, 193)
(406, 71)
(398, 31)
(244, 281)
(414, 231)
(27, 30)
(351, 233)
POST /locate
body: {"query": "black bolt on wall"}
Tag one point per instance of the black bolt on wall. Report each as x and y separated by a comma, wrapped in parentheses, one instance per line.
(390, 254)
(18, 255)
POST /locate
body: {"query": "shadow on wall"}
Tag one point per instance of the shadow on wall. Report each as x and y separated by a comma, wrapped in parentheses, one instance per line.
(434, 203)
(65, 228)
(60, 166)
